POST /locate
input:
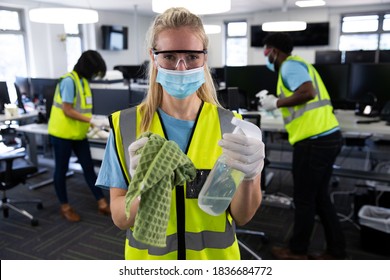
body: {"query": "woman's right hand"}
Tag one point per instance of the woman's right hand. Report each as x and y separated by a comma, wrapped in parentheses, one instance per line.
(133, 156)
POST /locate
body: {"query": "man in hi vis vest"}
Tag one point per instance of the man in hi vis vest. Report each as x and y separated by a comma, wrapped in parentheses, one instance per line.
(314, 133)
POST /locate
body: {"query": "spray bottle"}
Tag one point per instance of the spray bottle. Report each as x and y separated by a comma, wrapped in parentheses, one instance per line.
(223, 180)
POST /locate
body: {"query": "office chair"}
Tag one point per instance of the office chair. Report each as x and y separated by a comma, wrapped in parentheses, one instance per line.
(256, 119)
(13, 173)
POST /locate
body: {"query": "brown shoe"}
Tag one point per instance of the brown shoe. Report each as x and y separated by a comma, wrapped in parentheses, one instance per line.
(285, 254)
(68, 213)
(103, 207)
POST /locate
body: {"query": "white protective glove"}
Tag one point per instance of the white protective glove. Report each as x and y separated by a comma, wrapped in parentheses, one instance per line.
(99, 121)
(244, 153)
(269, 102)
(134, 158)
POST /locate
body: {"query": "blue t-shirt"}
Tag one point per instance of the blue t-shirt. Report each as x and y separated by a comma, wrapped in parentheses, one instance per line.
(177, 130)
(110, 174)
(67, 88)
(294, 74)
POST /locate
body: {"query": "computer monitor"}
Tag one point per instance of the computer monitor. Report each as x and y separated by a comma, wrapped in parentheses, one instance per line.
(218, 74)
(4, 96)
(232, 98)
(328, 57)
(108, 101)
(134, 72)
(384, 56)
(360, 56)
(23, 84)
(369, 83)
(19, 98)
(250, 80)
(39, 86)
(48, 97)
(336, 80)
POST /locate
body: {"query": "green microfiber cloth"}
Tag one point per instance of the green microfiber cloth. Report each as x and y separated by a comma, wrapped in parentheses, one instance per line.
(161, 167)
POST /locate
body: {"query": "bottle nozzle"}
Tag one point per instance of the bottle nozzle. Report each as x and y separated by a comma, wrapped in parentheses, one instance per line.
(246, 128)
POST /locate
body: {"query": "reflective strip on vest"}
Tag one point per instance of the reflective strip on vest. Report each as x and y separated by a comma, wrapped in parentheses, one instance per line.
(82, 111)
(128, 135)
(199, 241)
(307, 107)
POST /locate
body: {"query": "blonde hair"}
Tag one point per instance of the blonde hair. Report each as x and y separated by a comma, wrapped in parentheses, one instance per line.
(174, 18)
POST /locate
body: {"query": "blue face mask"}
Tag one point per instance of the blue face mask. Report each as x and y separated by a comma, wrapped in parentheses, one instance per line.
(180, 84)
(270, 66)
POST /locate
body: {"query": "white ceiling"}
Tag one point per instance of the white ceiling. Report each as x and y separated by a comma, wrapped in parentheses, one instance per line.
(238, 6)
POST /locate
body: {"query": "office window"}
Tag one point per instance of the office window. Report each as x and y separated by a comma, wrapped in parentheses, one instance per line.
(386, 23)
(236, 43)
(12, 46)
(360, 24)
(73, 44)
(384, 43)
(365, 32)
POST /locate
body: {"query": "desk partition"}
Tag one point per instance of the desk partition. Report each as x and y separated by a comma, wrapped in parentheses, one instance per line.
(108, 100)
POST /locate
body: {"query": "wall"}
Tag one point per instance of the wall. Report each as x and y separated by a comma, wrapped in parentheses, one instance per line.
(255, 55)
(138, 26)
(47, 54)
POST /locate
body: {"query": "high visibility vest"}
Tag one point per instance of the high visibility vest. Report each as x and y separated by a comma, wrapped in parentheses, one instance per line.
(61, 125)
(309, 119)
(191, 233)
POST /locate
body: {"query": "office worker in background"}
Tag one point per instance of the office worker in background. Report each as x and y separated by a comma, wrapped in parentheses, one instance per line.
(314, 133)
(181, 105)
(70, 119)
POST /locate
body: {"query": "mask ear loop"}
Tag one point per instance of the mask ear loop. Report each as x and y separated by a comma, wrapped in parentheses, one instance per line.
(267, 51)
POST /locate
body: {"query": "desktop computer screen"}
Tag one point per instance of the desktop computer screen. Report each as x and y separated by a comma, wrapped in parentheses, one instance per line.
(23, 84)
(370, 84)
(40, 86)
(250, 80)
(232, 98)
(384, 56)
(336, 80)
(328, 57)
(135, 72)
(4, 96)
(218, 74)
(360, 56)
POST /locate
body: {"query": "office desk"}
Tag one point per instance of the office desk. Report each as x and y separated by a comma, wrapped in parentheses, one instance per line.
(348, 125)
(28, 115)
(97, 145)
(273, 123)
(31, 130)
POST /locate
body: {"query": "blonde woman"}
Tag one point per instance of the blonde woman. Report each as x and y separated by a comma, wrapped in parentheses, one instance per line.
(181, 105)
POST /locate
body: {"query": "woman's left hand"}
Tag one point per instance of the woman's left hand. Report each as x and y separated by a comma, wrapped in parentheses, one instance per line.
(244, 153)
